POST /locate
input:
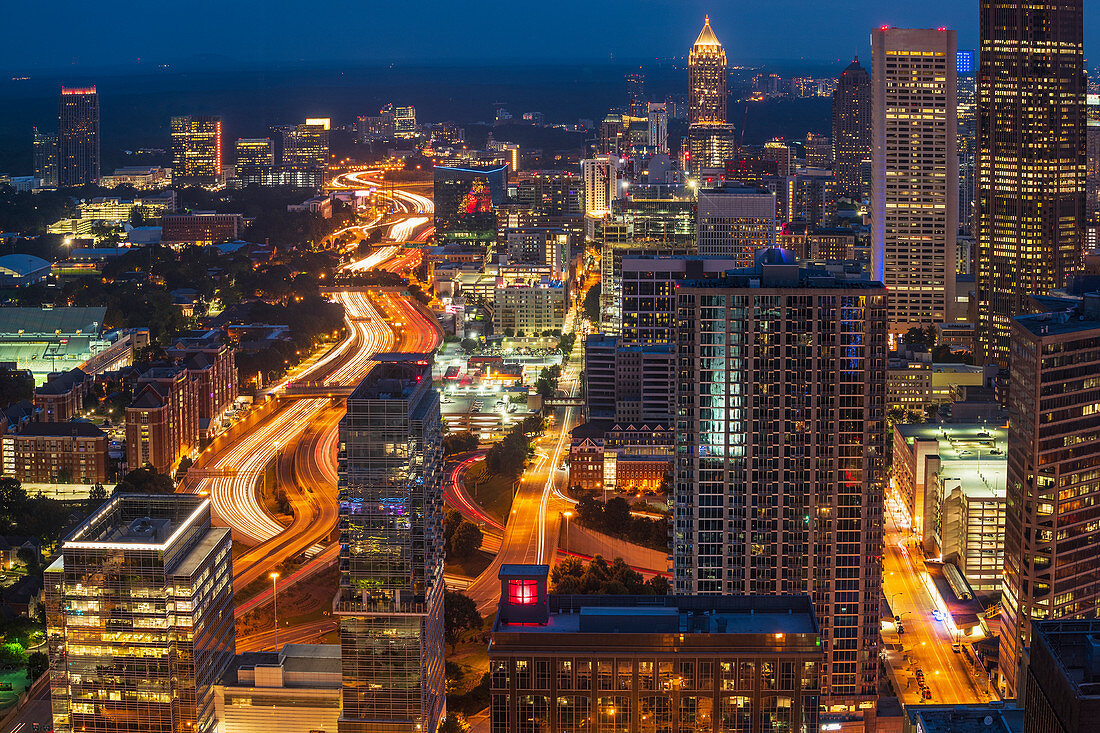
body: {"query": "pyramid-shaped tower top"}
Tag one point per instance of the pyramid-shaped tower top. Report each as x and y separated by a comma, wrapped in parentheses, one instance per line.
(706, 36)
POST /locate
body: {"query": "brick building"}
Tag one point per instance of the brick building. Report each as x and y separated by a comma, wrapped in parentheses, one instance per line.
(62, 396)
(57, 452)
(162, 422)
(212, 365)
(201, 227)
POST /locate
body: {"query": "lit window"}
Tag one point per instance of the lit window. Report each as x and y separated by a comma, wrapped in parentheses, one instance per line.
(523, 592)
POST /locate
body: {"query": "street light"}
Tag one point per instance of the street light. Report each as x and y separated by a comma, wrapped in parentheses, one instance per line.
(567, 515)
(275, 602)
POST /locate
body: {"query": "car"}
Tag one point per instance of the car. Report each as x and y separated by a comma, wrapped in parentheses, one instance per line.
(956, 647)
(897, 619)
(926, 693)
(901, 629)
(937, 614)
(920, 675)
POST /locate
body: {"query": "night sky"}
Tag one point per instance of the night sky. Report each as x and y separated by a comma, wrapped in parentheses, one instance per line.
(68, 33)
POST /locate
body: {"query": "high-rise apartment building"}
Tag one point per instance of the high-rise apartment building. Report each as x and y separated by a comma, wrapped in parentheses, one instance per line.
(139, 617)
(404, 122)
(78, 136)
(390, 603)
(45, 158)
(1052, 522)
(735, 221)
(1031, 159)
(601, 184)
(852, 132)
(914, 173)
(780, 433)
(635, 94)
(657, 116)
(197, 149)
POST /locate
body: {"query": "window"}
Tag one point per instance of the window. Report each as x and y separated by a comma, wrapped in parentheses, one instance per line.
(523, 592)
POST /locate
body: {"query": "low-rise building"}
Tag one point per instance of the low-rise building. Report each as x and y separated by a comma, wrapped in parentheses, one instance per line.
(201, 227)
(920, 383)
(138, 176)
(17, 270)
(531, 308)
(298, 686)
(642, 663)
(56, 453)
(62, 396)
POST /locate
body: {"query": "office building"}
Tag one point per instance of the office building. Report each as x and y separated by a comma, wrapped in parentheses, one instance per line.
(914, 173)
(254, 152)
(1031, 196)
(1052, 528)
(819, 151)
(657, 118)
(650, 663)
(298, 686)
(735, 221)
(305, 146)
(404, 122)
(967, 145)
(651, 214)
(710, 147)
(852, 102)
(466, 201)
(139, 617)
(539, 246)
(1062, 694)
(611, 274)
(635, 94)
(78, 136)
(45, 158)
(509, 152)
(390, 599)
(529, 308)
(197, 149)
(601, 184)
(779, 478)
(707, 78)
(629, 384)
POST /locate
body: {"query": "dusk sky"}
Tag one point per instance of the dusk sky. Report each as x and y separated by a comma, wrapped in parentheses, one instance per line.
(108, 32)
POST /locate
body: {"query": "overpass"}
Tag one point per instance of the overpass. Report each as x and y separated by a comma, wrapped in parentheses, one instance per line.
(316, 389)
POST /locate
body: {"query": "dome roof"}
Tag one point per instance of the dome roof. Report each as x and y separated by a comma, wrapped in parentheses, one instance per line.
(706, 36)
(22, 265)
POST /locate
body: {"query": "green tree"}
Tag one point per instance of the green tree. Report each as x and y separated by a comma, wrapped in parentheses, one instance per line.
(591, 303)
(15, 385)
(461, 442)
(459, 615)
(466, 540)
(145, 480)
(37, 664)
(470, 345)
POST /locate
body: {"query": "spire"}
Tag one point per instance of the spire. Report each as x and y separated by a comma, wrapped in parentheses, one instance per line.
(706, 36)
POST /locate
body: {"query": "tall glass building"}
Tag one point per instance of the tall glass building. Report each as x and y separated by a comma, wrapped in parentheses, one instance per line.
(197, 149)
(139, 617)
(390, 602)
(466, 201)
(780, 467)
(78, 136)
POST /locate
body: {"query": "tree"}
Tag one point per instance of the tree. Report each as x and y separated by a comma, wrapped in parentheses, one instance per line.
(28, 557)
(591, 303)
(37, 664)
(565, 345)
(466, 540)
(15, 385)
(97, 493)
(459, 614)
(454, 723)
(470, 345)
(12, 495)
(616, 515)
(461, 442)
(145, 480)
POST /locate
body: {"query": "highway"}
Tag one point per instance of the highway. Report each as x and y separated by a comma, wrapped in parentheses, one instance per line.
(925, 643)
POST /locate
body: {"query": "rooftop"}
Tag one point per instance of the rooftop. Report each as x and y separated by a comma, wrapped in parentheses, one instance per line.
(61, 430)
(52, 321)
(966, 719)
(139, 521)
(1065, 315)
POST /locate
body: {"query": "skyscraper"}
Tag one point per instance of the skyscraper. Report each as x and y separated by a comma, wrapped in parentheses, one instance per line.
(45, 158)
(635, 94)
(1052, 519)
(78, 136)
(780, 438)
(657, 115)
(390, 603)
(914, 173)
(139, 617)
(255, 152)
(707, 78)
(852, 132)
(1031, 158)
(711, 142)
(306, 145)
(601, 184)
(197, 149)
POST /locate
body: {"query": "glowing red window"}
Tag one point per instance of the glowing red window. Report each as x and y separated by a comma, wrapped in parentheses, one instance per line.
(523, 592)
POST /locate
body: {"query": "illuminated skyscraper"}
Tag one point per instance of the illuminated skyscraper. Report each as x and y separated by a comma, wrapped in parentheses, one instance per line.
(390, 603)
(852, 132)
(45, 158)
(139, 617)
(306, 145)
(657, 116)
(707, 78)
(1031, 158)
(255, 152)
(635, 94)
(404, 122)
(780, 427)
(914, 173)
(1052, 518)
(197, 149)
(78, 137)
(601, 184)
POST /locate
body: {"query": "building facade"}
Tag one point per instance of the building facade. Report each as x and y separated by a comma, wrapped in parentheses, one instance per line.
(601, 184)
(78, 137)
(914, 173)
(197, 149)
(1063, 677)
(1031, 197)
(1052, 527)
(139, 617)
(390, 600)
(57, 453)
(852, 132)
(45, 158)
(779, 473)
(735, 221)
(632, 664)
